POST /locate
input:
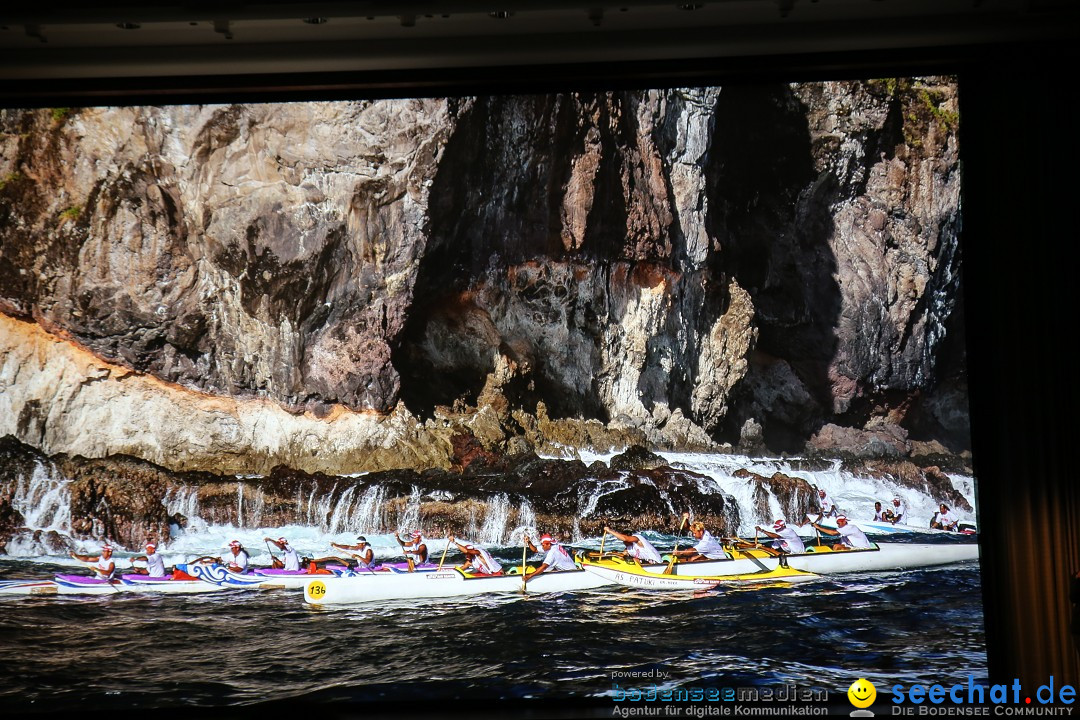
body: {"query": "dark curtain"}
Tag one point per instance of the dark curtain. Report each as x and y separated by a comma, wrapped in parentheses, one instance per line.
(1020, 239)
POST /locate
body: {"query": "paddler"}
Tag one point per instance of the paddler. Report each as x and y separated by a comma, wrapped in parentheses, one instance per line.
(851, 537)
(365, 556)
(103, 565)
(787, 540)
(879, 514)
(944, 519)
(155, 565)
(478, 561)
(707, 547)
(415, 549)
(291, 559)
(637, 547)
(827, 508)
(238, 563)
(555, 556)
(898, 514)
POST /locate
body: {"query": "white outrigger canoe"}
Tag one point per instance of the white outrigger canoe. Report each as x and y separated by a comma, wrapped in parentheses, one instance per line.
(85, 585)
(877, 527)
(823, 560)
(450, 582)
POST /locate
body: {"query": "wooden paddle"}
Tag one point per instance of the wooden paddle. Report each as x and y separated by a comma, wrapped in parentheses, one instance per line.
(671, 563)
(334, 547)
(273, 558)
(408, 557)
(756, 561)
(524, 552)
(359, 560)
(443, 558)
(144, 569)
(97, 572)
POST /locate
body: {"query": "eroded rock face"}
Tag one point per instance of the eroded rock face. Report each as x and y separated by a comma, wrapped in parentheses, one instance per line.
(258, 250)
(665, 264)
(795, 496)
(130, 501)
(486, 496)
(885, 441)
(119, 498)
(897, 255)
(10, 521)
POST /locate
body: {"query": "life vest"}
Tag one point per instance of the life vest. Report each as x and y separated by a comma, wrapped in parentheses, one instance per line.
(314, 569)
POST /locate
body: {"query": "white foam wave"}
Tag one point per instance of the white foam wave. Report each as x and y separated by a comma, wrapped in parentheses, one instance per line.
(333, 517)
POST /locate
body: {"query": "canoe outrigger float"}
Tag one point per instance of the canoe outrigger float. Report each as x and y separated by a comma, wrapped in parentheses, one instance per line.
(823, 560)
(449, 582)
(85, 585)
(624, 572)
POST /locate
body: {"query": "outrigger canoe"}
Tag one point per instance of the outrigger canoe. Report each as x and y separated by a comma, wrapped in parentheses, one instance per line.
(278, 579)
(876, 527)
(85, 585)
(216, 575)
(450, 582)
(617, 570)
(823, 560)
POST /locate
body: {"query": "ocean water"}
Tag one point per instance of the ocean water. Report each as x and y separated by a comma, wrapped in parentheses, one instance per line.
(240, 648)
(243, 653)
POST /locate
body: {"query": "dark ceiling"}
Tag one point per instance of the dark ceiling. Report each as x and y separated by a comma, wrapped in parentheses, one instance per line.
(67, 47)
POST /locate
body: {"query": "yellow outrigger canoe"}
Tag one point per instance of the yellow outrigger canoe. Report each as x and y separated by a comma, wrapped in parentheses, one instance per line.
(626, 572)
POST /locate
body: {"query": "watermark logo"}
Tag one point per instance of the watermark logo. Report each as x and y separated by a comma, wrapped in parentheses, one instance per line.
(862, 694)
(669, 699)
(964, 699)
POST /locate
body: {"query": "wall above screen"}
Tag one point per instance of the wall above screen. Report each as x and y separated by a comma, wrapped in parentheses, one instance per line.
(126, 39)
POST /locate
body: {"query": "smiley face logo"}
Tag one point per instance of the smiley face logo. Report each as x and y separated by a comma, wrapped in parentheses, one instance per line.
(862, 693)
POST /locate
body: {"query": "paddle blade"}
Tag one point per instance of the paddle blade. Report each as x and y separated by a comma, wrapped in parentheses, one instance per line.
(524, 556)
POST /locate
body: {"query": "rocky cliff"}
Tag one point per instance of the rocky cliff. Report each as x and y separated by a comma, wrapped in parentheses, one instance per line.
(352, 285)
(489, 497)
